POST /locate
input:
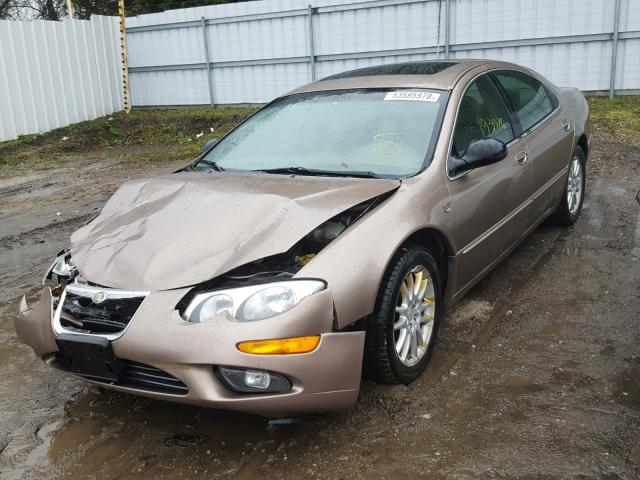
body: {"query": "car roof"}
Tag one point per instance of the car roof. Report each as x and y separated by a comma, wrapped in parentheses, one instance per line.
(443, 74)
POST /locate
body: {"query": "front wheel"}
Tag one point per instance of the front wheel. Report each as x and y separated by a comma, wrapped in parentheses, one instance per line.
(571, 203)
(402, 331)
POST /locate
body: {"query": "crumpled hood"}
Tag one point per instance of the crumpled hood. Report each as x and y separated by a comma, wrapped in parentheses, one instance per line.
(182, 229)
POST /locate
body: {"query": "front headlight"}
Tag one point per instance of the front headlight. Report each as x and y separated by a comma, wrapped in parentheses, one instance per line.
(255, 302)
(62, 267)
(65, 266)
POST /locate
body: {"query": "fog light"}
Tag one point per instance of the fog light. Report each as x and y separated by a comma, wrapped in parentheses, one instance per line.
(257, 379)
(252, 381)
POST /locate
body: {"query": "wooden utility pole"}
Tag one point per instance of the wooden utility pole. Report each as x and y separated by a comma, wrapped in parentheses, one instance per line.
(125, 62)
(70, 9)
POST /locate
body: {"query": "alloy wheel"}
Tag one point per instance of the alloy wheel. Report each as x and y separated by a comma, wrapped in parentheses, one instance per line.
(414, 316)
(574, 185)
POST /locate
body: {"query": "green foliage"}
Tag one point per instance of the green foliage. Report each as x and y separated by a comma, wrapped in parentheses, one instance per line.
(183, 138)
(111, 130)
(617, 119)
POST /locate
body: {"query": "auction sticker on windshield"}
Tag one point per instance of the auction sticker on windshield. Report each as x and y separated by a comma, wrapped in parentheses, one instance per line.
(416, 96)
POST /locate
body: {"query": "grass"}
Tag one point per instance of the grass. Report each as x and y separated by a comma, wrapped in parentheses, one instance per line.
(617, 119)
(165, 135)
(182, 132)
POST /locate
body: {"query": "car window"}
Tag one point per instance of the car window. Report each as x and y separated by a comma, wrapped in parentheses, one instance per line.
(482, 114)
(385, 132)
(530, 99)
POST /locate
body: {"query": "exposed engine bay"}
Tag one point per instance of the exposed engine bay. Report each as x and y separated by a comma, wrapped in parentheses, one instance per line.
(285, 265)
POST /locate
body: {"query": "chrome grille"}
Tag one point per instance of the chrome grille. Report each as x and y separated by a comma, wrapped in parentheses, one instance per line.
(110, 316)
(95, 310)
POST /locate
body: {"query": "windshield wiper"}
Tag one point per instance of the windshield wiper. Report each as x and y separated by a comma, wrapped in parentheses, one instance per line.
(208, 165)
(319, 173)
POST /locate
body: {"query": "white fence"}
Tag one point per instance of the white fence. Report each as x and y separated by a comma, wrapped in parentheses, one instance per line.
(56, 73)
(252, 52)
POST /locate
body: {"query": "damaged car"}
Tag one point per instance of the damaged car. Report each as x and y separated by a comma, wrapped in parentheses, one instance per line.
(325, 235)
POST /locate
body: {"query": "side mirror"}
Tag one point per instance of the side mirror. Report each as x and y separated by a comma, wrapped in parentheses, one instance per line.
(479, 154)
(209, 145)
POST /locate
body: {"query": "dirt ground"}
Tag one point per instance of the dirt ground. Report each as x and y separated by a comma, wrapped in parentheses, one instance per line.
(536, 374)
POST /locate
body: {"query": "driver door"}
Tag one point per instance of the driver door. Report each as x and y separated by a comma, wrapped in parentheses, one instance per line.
(488, 203)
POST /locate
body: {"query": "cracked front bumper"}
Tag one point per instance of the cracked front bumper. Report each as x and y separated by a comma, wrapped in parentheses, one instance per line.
(323, 380)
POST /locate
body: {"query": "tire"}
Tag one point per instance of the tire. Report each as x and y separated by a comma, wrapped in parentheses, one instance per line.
(382, 362)
(567, 213)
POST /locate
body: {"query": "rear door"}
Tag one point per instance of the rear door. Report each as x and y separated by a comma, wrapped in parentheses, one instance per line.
(488, 203)
(547, 128)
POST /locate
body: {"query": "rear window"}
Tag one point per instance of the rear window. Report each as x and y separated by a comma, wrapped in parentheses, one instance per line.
(531, 101)
(408, 68)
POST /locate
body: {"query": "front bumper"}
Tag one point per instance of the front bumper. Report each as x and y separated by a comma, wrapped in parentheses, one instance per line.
(326, 379)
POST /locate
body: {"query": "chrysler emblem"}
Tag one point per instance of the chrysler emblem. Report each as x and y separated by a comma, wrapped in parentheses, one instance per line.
(99, 297)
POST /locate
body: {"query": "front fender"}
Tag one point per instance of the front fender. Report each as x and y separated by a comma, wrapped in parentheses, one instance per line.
(354, 263)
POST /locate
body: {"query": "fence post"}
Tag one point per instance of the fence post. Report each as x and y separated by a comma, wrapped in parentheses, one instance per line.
(207, 61)
(447, 10)
(312, 55)
(124, 58)
(614, 49)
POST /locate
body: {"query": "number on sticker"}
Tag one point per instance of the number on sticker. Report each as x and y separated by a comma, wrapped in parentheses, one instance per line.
(412, 95)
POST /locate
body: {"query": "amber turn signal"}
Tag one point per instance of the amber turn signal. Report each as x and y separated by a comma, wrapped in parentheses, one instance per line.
(280, 346)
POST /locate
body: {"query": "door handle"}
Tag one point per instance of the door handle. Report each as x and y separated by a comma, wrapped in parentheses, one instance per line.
(566, 125)
(522, 157)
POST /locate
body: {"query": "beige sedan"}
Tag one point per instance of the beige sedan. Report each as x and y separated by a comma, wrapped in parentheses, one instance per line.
(328, 232)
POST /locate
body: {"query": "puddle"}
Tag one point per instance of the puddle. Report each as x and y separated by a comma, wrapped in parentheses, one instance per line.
(134, 432)
(13, 184)
(36, 458)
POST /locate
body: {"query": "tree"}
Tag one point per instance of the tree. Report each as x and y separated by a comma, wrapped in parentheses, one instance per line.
(5, 7)
(11, 10)
(139, 7)
(31, 9)
(83, 9)
(49, 10)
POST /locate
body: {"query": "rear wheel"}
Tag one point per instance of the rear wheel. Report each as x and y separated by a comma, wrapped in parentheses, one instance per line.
(402, 331)
(571, 203)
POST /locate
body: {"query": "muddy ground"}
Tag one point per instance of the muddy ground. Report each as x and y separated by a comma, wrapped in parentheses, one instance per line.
(536, 374)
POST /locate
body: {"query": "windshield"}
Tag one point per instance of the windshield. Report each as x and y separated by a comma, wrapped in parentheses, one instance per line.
(380, 133)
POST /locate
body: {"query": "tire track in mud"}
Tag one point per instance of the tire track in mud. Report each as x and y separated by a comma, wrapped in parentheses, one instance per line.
(555, 239)
(586, 231)
(37, 234)
(499, 312)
